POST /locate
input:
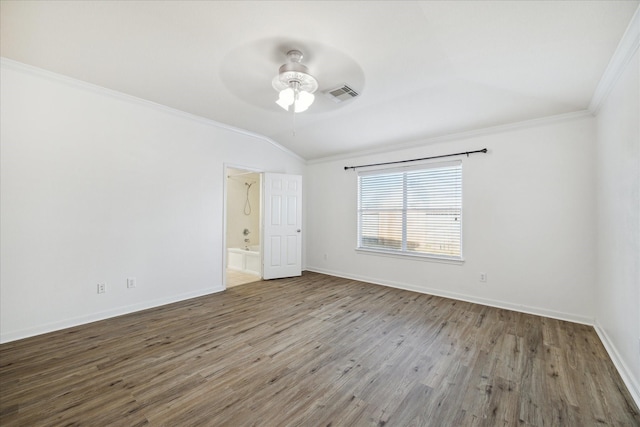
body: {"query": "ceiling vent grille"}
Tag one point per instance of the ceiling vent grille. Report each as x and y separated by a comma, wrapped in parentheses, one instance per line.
(341, 93)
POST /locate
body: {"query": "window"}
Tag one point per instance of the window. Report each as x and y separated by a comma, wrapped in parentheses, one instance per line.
(412, 211)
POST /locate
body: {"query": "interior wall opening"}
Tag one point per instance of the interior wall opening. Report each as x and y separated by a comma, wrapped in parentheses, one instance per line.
(243, 227)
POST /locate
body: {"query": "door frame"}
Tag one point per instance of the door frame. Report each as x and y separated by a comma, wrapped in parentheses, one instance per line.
(226, 166)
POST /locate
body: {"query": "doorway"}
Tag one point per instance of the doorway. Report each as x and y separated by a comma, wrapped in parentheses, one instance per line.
(243, 226)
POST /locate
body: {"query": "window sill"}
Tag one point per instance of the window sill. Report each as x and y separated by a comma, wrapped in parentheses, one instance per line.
(428, 258)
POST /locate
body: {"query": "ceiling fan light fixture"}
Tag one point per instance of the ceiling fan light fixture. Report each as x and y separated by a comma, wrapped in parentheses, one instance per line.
(304, 101)
(286, 98)
(294, 83)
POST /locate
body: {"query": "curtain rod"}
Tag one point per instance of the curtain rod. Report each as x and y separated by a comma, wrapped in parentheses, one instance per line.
(484, 150)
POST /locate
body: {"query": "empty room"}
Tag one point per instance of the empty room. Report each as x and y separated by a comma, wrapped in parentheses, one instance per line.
(320, 213)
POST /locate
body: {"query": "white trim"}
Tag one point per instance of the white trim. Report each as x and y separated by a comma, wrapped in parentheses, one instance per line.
(538, 311)
(627, 47)
(542, 121)
(409, 255)
(107, 314)
(618, 362)
(9, 63)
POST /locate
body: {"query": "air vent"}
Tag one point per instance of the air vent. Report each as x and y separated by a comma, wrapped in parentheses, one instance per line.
(341, 93)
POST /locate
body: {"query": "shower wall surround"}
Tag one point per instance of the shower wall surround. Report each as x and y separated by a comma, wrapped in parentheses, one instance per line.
(243, 210)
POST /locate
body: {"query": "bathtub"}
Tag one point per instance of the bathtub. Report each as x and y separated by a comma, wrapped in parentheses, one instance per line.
(247, 261)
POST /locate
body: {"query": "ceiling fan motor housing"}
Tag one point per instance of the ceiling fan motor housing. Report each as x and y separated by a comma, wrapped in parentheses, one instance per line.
(295, 74)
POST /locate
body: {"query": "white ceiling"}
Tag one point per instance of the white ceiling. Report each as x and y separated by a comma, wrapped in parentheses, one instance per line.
(424, 68)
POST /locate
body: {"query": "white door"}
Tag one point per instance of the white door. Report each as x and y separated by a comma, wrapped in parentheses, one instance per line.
(282, 241)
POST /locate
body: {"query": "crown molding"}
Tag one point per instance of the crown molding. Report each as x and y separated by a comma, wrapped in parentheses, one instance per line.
(542, 121)
(627, 47)
(40, 72)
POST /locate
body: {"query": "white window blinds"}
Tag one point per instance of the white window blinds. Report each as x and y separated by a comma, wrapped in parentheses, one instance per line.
(416, 211)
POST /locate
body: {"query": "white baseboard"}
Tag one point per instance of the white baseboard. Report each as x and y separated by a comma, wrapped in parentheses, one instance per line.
(621, 366)
(463, 297)
(94, 317)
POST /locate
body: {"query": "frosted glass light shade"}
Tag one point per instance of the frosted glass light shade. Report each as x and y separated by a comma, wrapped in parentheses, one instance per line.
(304, 101)
(301, 100)
(286, 98)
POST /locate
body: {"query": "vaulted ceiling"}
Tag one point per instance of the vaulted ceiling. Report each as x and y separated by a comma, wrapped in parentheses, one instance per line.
(422, 68)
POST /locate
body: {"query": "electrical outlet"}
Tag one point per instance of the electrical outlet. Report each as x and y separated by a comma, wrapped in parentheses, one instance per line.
(483, 277)
(131, 282)
(102, 288)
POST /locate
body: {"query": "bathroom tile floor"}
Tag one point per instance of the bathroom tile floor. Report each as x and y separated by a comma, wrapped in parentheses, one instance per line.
(235, 278)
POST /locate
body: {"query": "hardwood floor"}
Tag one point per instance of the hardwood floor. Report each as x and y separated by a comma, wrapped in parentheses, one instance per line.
(315, 351)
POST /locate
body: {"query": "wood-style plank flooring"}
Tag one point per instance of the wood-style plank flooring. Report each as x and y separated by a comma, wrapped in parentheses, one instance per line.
(315, 351)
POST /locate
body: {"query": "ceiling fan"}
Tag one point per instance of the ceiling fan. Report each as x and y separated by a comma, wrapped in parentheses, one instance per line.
(294, 84)
(328, 75)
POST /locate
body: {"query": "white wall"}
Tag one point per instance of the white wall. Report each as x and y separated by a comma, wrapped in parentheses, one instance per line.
(98, 187)
(528, 221)
(618, 224)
